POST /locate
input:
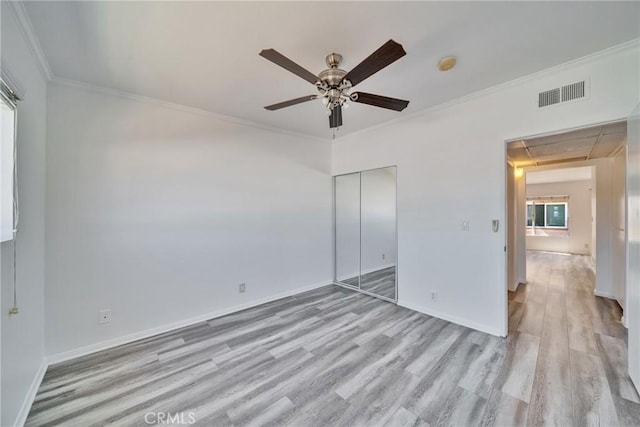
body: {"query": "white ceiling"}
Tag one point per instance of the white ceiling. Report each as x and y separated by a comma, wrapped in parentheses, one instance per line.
(205, 54)
(594, 142)
(559, 175)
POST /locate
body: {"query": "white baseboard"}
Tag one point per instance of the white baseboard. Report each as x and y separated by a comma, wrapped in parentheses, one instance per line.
(453, 319)
(514, 286)
(31, 394)
(603, 294)
(114, 342)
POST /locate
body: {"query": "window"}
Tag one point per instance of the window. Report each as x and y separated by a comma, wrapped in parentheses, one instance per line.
(535, 214)
(8, 196)
(556, 215)
(549, 213)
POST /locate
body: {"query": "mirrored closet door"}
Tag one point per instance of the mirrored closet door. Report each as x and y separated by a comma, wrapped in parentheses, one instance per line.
(365, 231)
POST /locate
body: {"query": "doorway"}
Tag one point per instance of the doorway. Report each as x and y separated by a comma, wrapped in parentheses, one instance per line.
(566, 195)
(566, 236)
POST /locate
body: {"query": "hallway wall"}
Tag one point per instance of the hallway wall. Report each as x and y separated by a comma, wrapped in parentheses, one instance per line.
(579, 222)
(22, 335)
(451, 169)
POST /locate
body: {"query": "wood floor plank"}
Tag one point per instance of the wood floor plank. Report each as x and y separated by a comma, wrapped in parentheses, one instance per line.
(440, 381)
(538, 294)
(504, 410)
(519, 366)
(613, 353)
(592, 400)
(516, 310)
(404, 418)
(532, 319)
(376, 403)
(581, 334)
(628, 411)
(551, 400)
(438, 348)
(484, 370)
(463, 408)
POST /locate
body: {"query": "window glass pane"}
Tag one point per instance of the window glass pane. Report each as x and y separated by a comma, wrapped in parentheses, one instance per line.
(529, 215)
(539, 215)
(556, 215)
(7, 120)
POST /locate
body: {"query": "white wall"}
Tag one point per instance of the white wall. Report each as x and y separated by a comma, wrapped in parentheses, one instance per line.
(618, 226)
(516, 215)
(633, 243)
(521, 220)
(579, 209)
(451, 168)
(594, 218)
(23, 334)
(158, 214)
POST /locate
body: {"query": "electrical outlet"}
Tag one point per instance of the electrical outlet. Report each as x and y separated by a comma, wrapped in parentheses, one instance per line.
(384, 256)
(104, 316)
(434, 296)
(242, 287)
(586, 246)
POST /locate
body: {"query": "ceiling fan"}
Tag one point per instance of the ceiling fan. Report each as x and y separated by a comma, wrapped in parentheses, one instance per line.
(334, 84)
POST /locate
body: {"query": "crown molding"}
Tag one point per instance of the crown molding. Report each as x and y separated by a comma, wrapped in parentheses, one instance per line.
(19, 11)
(626, 46)
(9, 79)
(184, 108)
(26, 26)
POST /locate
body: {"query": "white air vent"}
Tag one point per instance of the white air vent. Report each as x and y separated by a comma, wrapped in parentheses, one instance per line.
(570, 92)
(549, 97)
(573, 91)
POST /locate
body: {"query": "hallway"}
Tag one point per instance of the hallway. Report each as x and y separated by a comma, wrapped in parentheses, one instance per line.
(577, 343)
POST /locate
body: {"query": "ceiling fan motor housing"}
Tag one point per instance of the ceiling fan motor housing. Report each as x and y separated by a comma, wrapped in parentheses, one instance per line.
(333, 76)
(334, 84)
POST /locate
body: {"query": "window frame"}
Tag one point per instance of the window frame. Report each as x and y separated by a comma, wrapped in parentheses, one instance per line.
(534, 203)
(9, 99)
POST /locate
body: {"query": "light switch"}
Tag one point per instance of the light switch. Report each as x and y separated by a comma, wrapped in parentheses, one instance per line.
(465, 225)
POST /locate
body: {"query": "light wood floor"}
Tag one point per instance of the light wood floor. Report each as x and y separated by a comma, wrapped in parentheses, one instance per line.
(336, 357)
(579, 343)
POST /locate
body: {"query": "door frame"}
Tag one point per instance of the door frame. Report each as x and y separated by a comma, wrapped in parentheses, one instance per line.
(508, 246)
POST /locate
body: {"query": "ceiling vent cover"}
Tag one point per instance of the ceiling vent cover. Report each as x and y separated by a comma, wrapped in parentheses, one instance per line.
(570, 92)
(549, 97)
(573, 91)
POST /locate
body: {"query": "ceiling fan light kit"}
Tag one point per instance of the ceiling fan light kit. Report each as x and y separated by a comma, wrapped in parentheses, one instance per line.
(334, 84)
(447, 63)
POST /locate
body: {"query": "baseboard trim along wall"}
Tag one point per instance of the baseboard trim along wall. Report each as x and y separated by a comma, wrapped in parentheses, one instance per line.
(514, 286)
(453, 319)
(31, 394)
(104, 345)
(603, 294)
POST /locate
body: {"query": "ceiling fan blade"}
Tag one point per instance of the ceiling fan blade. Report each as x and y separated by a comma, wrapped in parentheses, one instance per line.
(335, 119)
(281, 60)
(379, 101)
(290, 102)
(387, 54)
